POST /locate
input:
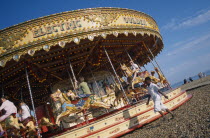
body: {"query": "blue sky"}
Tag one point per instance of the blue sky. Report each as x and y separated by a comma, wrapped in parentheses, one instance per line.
(184, 25)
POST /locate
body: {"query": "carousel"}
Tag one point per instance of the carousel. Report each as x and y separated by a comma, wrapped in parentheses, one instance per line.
(73, 70)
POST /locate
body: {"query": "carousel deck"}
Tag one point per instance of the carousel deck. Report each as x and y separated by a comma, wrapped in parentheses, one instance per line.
(123, 120)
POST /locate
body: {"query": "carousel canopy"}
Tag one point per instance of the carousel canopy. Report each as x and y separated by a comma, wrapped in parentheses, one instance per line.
(45, 47)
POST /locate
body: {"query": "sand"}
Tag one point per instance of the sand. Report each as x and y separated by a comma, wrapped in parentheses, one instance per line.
(192, 119)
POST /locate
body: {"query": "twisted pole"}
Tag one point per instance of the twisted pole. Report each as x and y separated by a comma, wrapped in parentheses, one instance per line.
(32, 101)
(116, 75)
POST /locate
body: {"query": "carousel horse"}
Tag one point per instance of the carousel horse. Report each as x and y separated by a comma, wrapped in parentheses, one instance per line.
(140, 92)
(119, 93)
(31, 129)
(135, 93)
(46, 122)
(163, 80)
(56, 106)
(144, 74)
(153, 78)
(72, 95)
(109, 90)
(12, 126)
(66, 105)
(82, 105)
(25, 128)
(130, 73)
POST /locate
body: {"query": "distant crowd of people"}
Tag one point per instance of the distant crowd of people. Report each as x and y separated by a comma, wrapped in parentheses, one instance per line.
(186, 81)
(200, 75)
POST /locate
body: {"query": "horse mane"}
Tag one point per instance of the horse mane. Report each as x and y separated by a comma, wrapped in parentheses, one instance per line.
(65, 97)
(127, 69)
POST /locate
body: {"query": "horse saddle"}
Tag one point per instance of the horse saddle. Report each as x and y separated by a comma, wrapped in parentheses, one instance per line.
(82, 98)
(81, 102)
(83, 95)
(25, 121)
(13, 115)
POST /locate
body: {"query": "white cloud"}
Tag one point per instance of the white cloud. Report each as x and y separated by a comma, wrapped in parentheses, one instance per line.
(189, 67)
(201, 18)
(186, 58)
(189, 44)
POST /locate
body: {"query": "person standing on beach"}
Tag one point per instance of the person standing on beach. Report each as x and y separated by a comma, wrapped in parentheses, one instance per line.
(154, 93)
(190, 79)
(185, 81)
(200, 75)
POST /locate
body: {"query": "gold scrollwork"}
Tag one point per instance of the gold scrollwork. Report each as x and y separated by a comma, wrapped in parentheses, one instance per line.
(103, 19)
(7, 40)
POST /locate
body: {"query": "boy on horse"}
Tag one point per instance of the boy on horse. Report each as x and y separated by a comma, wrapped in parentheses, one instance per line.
(83, 86)
(135, 68)
(24, 111)
(10, 109)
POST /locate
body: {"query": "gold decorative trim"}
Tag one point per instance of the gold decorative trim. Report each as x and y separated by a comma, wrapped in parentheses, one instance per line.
(59, 29)
(32, 50)
(102, 19)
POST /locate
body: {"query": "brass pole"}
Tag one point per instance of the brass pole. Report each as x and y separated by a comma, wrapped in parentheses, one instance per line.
(111, 75)
(116, 75)
(32, 101)
(72, 71)
(70, 79)
(155, 59)
(119, 63)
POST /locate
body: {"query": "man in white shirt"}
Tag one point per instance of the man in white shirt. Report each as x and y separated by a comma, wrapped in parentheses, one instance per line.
(10, 109)
(135, 69)
(24, 111)
(155, 94)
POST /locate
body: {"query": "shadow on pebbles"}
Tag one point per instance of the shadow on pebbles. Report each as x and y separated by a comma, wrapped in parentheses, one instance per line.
(192, 119)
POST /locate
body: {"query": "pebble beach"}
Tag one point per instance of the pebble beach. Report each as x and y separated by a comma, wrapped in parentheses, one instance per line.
(192, 119)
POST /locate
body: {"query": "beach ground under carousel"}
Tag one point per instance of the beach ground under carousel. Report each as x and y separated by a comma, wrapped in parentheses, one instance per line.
(192, 118)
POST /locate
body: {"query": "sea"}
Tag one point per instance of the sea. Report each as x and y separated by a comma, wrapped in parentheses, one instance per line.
(177, 84)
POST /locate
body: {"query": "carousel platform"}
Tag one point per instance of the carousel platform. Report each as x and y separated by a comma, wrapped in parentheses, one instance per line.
(124, 120)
